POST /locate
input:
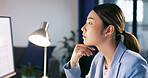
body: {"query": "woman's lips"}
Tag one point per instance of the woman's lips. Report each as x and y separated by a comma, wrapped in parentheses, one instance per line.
(84, 36)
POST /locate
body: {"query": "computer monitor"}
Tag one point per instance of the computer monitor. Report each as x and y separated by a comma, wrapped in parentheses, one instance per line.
(6, 48)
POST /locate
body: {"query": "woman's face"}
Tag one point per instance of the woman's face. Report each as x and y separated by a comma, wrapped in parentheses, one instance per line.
(93, 32)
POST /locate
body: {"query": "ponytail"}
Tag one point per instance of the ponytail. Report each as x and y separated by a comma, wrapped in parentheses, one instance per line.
(131, 42)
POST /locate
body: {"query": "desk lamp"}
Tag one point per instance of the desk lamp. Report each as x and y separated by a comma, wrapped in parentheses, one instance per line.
(41, 38)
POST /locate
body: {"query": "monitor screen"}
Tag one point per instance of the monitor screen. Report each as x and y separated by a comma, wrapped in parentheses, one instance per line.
(6, 47)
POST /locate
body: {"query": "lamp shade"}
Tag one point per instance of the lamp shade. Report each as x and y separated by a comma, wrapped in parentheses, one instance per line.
(41, 37)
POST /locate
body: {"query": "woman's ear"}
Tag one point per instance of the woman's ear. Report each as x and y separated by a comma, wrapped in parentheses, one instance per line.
(109, 30)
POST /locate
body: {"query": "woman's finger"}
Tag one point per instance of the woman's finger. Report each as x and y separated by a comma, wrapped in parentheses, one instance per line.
(88, 52)
(84, 48)
(91, 48)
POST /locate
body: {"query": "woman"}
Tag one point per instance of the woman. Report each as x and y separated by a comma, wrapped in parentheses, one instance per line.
(116, 59)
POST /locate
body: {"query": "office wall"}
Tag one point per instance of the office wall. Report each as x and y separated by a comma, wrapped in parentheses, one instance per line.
(27, 16)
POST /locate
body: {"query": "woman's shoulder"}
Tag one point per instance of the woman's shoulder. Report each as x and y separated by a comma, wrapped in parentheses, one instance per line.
(133, 64)
(132, 57)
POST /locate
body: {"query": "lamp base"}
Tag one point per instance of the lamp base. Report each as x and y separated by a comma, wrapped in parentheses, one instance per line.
(45, 77)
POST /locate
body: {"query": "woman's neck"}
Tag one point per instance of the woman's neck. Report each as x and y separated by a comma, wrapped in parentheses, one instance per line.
(108, 50)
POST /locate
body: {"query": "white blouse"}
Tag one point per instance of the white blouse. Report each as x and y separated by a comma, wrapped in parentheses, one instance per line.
(105, 72)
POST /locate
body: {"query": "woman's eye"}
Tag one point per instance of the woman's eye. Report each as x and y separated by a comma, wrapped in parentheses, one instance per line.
(90, 23)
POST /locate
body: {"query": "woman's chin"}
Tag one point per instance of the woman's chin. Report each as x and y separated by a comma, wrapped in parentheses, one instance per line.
(87, 43)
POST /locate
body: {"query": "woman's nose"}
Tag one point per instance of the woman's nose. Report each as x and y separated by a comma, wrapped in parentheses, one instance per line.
(83, 28)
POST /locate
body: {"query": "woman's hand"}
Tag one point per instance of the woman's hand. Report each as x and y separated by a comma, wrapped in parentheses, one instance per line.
(79, 51)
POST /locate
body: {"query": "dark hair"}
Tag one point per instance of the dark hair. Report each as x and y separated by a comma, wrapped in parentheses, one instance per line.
(111, 14)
